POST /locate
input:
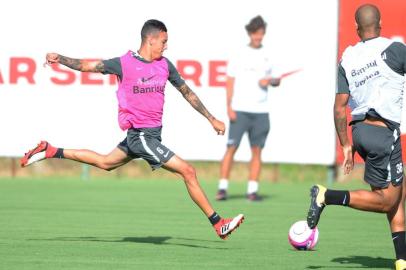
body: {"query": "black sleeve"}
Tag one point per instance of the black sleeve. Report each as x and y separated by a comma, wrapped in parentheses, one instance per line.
(342, 82)
(113, 66)
(395, 57)
(174, 77)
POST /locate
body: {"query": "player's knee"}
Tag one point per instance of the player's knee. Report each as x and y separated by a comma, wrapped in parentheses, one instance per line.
(108, 168)
(256, 150)
(189, 173)
(388, 205)
(386, 208)
(104, 164)
(232, 149)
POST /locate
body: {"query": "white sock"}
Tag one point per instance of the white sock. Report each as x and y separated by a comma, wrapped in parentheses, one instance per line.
(252, 186)
(223, 184)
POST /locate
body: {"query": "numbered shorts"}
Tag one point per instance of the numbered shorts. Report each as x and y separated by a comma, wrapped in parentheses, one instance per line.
(382, 152)
(256, 124)
(146, 143)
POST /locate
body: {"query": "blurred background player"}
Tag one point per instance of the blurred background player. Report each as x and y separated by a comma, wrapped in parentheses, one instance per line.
(371, 79)
(248, 78)
(142, 77)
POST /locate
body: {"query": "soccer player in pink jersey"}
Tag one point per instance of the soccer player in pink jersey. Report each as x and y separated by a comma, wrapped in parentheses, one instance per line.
(142, 77)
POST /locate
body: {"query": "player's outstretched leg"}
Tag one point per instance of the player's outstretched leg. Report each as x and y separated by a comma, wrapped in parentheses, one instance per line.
(223, 227)
(116, 158)
(317, 204)
(42, 151)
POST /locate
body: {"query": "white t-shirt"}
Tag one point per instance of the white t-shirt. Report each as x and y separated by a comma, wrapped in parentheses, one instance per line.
(248, 66)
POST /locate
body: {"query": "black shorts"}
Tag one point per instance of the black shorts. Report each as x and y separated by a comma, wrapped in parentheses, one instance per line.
(146, 143)
(382, 152)
(256, 124)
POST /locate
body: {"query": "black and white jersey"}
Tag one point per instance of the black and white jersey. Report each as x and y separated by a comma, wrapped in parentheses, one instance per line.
(372, 72)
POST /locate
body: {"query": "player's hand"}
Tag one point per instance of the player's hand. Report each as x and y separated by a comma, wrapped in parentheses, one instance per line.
(348, 163)
(265, 82)
(218, 126)
(231, 114)
(51, 58)
(275, 82)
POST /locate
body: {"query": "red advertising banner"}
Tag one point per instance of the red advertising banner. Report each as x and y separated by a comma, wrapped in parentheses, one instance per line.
(393, 22)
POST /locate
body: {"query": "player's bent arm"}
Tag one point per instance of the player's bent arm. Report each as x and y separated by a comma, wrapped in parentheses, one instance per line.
(340, 118)
(76, 64)
(194, 100)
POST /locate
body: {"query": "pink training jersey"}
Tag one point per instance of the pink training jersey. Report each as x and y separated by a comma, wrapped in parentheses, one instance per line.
(141, 92)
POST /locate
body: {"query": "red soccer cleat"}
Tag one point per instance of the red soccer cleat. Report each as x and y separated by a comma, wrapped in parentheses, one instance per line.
(42, 151)
(226, 226)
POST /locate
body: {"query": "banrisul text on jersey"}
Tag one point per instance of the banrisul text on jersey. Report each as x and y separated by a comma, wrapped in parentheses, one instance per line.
(372, 83)
(141, 92)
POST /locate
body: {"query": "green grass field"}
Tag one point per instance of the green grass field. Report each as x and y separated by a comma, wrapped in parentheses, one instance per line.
(152, 224)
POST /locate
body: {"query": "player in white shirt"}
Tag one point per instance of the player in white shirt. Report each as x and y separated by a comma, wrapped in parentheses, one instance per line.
(248, 77)
(371, 80)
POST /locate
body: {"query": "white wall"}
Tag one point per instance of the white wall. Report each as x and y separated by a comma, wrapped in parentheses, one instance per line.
(302, 34)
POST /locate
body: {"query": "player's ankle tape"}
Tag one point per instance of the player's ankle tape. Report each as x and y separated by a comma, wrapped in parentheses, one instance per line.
(337, 197)
(214, 218)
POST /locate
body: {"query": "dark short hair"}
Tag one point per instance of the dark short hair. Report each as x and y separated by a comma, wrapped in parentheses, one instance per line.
(152, 26)
(255, 24)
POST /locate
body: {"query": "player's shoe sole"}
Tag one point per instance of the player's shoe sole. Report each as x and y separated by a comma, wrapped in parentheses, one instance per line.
(317, 205)
(34, 155)
(400, 264)
(226, 228)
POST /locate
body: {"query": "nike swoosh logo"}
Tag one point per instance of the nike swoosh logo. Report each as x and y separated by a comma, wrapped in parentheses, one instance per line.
(166, 155)
(147, 79)
(286, 74)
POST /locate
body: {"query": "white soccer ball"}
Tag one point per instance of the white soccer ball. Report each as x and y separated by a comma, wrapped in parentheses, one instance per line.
(301, 237)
